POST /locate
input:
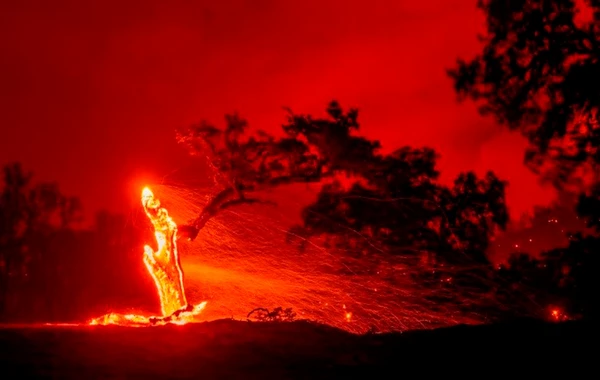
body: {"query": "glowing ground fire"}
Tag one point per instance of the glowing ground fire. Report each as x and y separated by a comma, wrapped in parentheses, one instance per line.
(165, 268)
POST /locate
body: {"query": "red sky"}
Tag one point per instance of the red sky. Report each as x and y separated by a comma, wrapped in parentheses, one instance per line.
(91, 91)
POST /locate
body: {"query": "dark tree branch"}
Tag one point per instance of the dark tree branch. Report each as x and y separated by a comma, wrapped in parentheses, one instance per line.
(224, 200)
(192, 229)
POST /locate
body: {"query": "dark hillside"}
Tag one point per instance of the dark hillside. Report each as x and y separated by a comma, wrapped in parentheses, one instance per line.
(233, 349)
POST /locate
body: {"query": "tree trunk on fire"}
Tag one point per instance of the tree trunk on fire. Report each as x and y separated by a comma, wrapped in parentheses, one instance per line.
(163, 264)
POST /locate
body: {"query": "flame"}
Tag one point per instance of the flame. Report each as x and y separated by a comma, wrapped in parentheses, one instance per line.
(164, 265)
(147, 193)
(165, 268)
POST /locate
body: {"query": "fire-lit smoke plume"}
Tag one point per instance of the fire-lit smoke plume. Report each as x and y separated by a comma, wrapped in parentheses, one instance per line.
(165, 268)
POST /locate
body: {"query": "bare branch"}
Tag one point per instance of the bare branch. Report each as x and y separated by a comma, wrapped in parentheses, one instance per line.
(192, 229)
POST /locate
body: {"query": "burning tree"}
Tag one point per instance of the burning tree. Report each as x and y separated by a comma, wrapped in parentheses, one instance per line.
(165, 268)
(163, 264)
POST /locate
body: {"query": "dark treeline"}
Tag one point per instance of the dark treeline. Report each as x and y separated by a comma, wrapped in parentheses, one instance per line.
(52, 271)
(538, 74)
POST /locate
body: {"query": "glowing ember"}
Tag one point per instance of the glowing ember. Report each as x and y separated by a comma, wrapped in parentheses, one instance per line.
(557, 315)
(165, 268)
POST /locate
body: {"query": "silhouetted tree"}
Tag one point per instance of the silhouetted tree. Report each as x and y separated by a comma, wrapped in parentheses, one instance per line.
(576, 278)
(562, 280)
(392, 199)
(537, 74)
(246, 162)
(546, 228)
(28, 215)
(51, 269)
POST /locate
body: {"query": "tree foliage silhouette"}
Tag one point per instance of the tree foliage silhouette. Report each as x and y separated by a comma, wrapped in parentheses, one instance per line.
(537, 73)
(54, 269)
(366, 196)
(28, 214)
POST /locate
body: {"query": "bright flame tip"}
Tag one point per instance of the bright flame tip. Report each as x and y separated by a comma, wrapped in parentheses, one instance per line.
(146, 192)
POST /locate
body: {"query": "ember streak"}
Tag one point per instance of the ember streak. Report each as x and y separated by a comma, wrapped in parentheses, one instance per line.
(243, 262)
(165, 268)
